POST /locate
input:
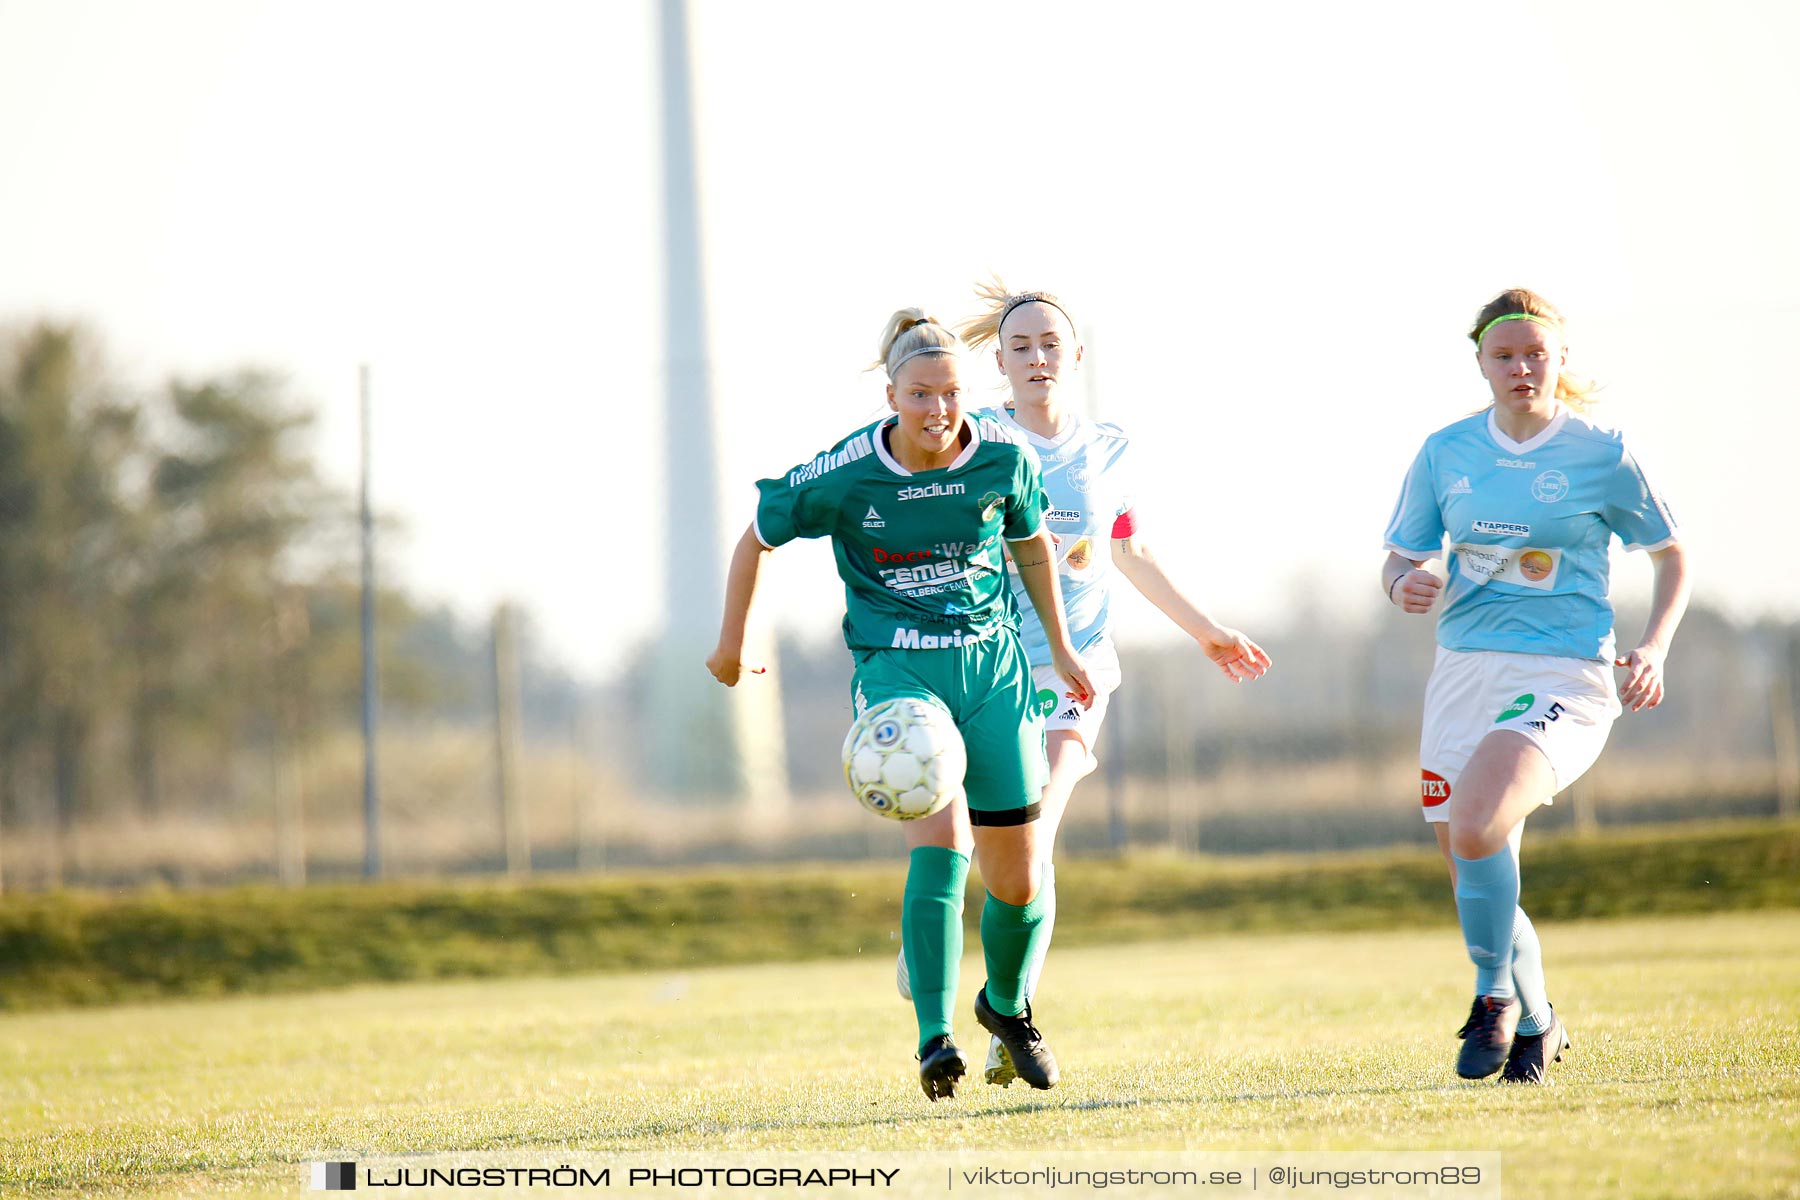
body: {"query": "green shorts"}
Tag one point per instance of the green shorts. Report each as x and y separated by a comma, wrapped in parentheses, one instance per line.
(987, 687)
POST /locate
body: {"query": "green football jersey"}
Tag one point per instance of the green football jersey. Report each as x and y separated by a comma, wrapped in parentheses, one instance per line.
(920, 554)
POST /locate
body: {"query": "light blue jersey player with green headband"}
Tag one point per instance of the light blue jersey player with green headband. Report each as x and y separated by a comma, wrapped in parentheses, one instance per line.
(920, 508)
(1521, 502)
(1094, 521)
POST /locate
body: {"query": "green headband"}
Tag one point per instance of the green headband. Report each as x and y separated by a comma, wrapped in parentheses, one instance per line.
(1546, 322)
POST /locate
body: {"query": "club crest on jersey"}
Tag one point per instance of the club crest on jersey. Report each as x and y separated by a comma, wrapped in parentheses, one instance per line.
(873, 519)
(1550, 486)
(1078, 478)
(990, 504)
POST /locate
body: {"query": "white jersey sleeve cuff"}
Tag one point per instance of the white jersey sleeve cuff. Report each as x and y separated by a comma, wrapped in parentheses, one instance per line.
(1651, 547)
(756, 528)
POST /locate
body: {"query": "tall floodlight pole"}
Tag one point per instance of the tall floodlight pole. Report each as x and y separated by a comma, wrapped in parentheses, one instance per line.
(706, 742)
(371, 796)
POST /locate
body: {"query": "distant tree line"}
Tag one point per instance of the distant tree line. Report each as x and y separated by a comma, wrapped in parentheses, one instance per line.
(179, 595)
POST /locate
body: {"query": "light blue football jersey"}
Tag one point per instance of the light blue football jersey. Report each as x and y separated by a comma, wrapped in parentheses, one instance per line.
(1528, 525)
(1085, 487)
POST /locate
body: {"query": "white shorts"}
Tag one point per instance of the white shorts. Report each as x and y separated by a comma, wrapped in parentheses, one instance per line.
(1061, 712)
(1566, 706)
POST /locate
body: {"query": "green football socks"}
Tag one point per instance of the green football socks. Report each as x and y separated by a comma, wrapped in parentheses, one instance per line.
(1010, 937)
(931, 934)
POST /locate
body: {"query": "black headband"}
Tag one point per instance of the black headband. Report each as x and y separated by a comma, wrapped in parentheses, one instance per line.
(1024, 298)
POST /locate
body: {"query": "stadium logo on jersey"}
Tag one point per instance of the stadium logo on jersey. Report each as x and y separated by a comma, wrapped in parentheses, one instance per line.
(1460, 487)
(990, 504)
(1517, 708)
(857, 447)
(936, 489)
(1077, 476)
(1062, 514)
(1434, 789)
(1550, 487)
(1518, 464)
(873, 520)
(1503, 528)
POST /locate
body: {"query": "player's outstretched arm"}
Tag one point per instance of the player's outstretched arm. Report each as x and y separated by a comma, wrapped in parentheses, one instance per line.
(725, 662)
(1644, 682)
(1236, 656)
(1408, 584)
(1036, 561)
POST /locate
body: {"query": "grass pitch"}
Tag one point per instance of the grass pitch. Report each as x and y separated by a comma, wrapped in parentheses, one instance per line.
(1685, 1079)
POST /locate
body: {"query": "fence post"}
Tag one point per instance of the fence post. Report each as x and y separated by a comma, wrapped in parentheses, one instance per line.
(292, 628)
(590, 829)
(1580, 798)
(1114, 764)
(1178, 763)
(506, 743)
(1787, 743)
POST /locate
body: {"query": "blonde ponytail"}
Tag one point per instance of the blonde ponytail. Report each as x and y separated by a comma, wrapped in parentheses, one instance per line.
(998, 304)
(909, 333)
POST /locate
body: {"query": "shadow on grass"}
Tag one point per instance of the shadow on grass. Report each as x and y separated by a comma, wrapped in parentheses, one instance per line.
(998, 1107)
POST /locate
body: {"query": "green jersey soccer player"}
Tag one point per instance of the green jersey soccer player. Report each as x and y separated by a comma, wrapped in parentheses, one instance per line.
(921, 508)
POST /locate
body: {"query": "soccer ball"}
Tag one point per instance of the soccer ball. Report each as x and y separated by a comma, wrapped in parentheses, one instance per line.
(904, 758)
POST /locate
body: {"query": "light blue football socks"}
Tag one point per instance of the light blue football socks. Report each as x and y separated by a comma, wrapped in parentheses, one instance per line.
(1487, 899)
(1528, 975)
(1041, 945)
(931, 933)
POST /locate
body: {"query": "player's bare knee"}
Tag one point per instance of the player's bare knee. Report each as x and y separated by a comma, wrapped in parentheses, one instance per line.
(1475, 831)
(1477, 841)
(1017, 884)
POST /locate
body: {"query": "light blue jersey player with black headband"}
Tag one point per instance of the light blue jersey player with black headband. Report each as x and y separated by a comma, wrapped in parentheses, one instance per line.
(1092, 516)
(1521, 502)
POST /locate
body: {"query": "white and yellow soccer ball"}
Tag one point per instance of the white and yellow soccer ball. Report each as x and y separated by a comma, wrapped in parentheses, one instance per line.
(904, 758)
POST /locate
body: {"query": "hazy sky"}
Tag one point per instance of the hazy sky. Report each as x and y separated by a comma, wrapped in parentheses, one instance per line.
(1274, 223)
